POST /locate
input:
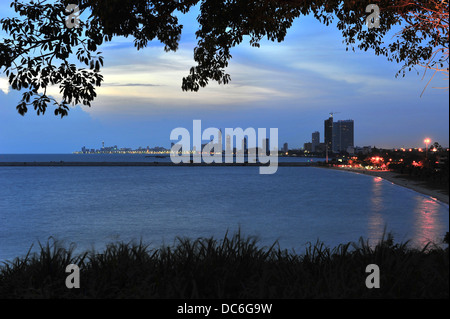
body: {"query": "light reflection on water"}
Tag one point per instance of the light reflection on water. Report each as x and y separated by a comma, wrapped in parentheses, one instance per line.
(376, 225)
(426, 220)
(427, 223)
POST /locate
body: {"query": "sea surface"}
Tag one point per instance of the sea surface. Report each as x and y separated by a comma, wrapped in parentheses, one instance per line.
(94, 206)
(117, 158)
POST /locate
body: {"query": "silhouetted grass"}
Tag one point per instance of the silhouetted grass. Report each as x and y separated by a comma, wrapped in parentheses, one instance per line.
(234, 267)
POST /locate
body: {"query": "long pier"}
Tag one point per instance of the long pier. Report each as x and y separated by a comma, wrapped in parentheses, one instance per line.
(112, 164)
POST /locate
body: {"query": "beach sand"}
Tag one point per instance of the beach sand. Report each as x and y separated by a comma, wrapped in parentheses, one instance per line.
(397, 179)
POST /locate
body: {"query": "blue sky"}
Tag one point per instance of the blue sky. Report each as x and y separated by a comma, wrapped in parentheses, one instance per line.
(292, 86)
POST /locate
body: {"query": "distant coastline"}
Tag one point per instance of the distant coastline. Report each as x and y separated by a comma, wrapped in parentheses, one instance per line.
(83, 164)
(397, 179)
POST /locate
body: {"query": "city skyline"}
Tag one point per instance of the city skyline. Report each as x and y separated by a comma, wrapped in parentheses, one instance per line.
(291, 85)
(338, 135)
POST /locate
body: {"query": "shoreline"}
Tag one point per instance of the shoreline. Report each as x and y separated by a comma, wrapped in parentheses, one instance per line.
(396, 179)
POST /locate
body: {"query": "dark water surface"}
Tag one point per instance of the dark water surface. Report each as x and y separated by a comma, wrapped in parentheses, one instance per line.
(93, 206)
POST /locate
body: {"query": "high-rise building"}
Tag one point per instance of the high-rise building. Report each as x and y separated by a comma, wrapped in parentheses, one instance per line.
(244, 147)
(228, 144)
(338, 135)
(220, 139)
(265, 149)
(336, 144)
(329, 133)
(315, 141)
(285, 148)
(347, 134)
(343, 135)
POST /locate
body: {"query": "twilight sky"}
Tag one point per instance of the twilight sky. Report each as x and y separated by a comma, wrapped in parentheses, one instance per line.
(292, 86)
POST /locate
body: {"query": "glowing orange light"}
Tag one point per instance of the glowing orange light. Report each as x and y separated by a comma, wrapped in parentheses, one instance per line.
(417, 164)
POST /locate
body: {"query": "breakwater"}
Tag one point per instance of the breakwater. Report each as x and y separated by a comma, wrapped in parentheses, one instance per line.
(81, 164)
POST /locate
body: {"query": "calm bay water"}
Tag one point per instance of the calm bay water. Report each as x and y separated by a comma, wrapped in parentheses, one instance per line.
(93, 206)
(114, 158)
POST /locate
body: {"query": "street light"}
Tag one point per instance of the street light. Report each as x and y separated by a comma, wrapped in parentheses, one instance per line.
(426, 141)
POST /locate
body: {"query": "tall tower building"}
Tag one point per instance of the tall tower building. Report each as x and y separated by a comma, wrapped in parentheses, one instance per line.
(266, 146)
(336, 137)
(315, 140)
(218, 146)
(343, 135)
(228, 149)
(244, 145)
(329, 133)
(220, 139)
(347, 136)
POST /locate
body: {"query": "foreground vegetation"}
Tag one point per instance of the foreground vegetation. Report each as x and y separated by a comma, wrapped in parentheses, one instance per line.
(234, 267)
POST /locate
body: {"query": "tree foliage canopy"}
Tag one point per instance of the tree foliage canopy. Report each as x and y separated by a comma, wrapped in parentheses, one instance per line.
(42, 51)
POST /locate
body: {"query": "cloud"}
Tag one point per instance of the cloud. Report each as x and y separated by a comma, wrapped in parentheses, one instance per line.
(131, 84)
(150, 81)
(4, 85)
